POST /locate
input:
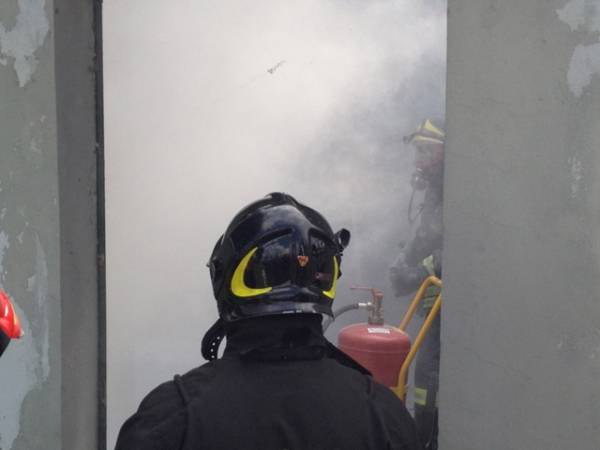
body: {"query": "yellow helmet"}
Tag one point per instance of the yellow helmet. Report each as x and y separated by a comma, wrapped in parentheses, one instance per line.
(429, 131)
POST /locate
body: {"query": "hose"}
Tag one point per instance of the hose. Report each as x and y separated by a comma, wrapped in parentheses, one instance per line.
(338, 312)
(411, 217)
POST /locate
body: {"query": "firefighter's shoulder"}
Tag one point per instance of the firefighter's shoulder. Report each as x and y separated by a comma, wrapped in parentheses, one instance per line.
(159, 422)
(399, 424)
(386, 411)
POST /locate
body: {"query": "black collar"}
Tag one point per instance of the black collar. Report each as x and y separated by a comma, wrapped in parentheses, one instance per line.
(275, 338)
(297, 336)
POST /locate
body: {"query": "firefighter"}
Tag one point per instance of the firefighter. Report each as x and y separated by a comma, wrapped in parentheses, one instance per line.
(10, 327)
(419, 258)
(279, 383)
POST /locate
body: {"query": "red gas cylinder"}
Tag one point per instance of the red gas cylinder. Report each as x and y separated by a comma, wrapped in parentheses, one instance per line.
(379, 348)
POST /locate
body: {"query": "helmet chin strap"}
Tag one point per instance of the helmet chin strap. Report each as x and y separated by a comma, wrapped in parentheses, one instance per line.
(212, 339)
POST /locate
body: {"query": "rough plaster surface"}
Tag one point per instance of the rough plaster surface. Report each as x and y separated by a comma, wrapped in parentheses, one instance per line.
(576, 175)
(48, 231)
(30, 409)
(582, 15)
(26, 364)
(21, 42)
(521, 342)
(4, 244)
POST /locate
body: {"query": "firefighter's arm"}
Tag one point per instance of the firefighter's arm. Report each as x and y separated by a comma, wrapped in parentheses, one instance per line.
(417, 260)
(405, 277)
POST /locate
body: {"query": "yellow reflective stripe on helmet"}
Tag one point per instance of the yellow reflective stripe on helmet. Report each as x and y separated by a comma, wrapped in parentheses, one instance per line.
(331, 292)
(238, 286)
(419, 138)
(420, 396)
(431, 127)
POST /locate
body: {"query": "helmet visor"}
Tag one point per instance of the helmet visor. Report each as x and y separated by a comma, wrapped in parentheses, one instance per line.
(284, 260)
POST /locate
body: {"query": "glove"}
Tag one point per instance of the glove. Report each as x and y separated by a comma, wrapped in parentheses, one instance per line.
(429, 265)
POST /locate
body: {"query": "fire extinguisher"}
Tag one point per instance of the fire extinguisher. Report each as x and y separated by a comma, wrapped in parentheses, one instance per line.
(386, 351)
(378, 347)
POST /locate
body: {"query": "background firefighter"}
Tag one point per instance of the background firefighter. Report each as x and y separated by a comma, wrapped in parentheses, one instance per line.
(421, 257)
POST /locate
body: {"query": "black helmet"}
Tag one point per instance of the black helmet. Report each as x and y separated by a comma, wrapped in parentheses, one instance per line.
(277, 256)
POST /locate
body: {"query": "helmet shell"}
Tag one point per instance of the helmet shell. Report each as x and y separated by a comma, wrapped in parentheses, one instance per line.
(289, 247)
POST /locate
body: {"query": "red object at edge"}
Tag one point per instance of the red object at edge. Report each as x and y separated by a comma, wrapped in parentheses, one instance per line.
(9, 321)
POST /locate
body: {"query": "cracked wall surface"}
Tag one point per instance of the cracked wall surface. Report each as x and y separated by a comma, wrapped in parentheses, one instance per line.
(521, 341)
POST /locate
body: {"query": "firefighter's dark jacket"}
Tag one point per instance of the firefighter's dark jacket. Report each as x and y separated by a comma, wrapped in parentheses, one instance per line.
(407, 273)
(279, 386)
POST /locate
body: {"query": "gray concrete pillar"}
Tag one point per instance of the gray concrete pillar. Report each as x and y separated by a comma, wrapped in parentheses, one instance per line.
(51, 224)
(521, 341)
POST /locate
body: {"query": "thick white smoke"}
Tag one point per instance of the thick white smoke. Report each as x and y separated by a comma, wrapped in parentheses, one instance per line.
(210, 105)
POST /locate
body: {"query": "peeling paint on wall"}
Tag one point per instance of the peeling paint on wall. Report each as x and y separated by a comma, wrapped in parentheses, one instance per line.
(585, 62)
(25, 38)
(576, 176)
(19, 362)
(27, 363)
(4, 244)
(573, 14)
(39, 287)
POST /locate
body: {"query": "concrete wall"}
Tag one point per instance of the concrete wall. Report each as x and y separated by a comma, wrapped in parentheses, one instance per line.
(521, 334)
(49, 224)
